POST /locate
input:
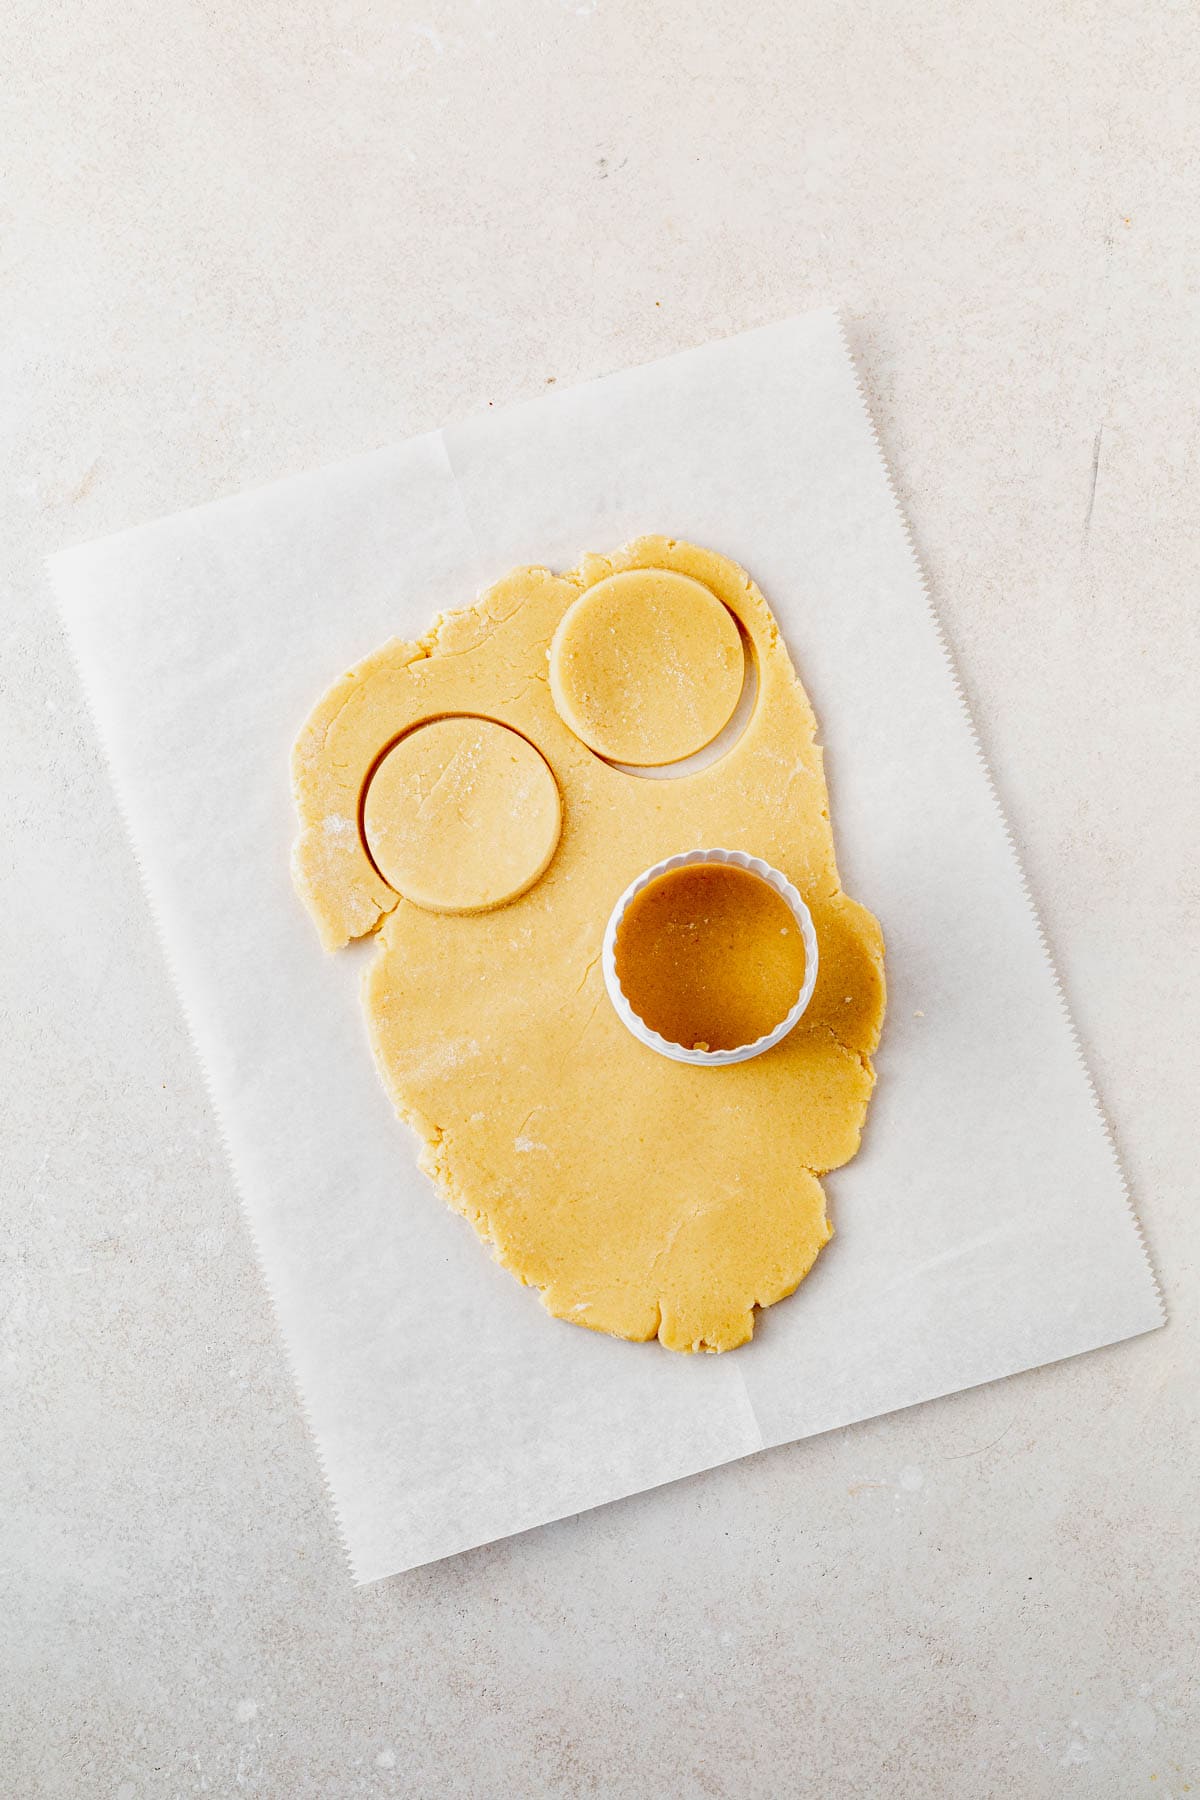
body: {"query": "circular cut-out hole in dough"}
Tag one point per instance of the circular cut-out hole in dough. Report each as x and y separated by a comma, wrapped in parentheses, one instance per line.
(647, 667)
(462, 815)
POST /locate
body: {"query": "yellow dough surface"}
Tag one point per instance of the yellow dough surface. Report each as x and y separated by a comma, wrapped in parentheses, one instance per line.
(639, 1196)
(461, 815)
(647, 667)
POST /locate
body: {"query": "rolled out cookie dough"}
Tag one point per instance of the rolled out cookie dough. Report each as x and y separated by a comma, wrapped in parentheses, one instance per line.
(461, 815)
(641, 1197)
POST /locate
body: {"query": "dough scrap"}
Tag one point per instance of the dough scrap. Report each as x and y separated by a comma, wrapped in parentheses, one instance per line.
(461, 815)
(646, 667)
(641, 1197)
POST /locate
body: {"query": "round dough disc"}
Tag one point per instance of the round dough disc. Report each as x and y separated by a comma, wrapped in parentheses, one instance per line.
(462, 815)
(646, 667)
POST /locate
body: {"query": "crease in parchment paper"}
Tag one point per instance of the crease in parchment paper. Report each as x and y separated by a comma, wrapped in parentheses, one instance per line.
(209, 1086)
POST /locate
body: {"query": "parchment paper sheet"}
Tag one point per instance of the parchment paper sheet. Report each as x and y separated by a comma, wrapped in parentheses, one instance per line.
(983, 1229)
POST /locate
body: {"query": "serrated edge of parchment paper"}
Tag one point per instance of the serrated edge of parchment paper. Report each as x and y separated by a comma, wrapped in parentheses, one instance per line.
(951, 662)
(123, 814)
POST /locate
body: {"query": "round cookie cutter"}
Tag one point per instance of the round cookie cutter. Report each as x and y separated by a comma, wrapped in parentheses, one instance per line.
(739, 859)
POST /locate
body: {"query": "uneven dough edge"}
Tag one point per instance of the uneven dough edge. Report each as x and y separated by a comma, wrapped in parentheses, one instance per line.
(324, 868)
(617, 1311)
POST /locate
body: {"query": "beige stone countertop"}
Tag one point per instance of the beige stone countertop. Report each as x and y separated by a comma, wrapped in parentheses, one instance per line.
(239, 240)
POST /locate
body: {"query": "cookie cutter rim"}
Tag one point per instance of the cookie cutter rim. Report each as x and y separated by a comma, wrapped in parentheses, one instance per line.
(653, 1040)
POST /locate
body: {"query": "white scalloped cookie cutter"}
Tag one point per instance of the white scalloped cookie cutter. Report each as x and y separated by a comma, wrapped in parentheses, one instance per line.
(653, 1040)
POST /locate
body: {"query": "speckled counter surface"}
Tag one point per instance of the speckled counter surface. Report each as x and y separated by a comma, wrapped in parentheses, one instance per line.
(240, 241)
